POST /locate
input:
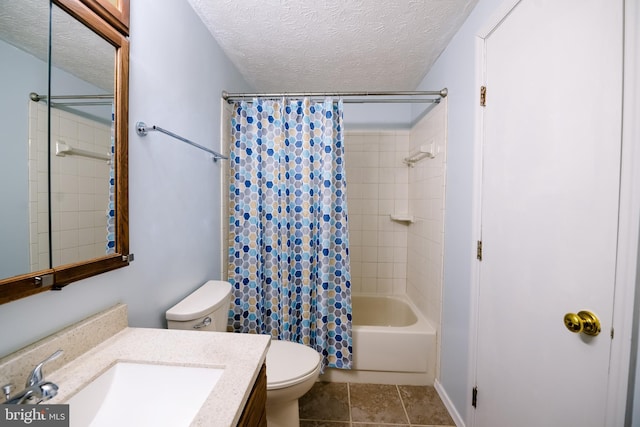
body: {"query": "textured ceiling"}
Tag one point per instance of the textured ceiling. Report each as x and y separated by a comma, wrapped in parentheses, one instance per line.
(76, 49)
(24, 24)
(333, 45)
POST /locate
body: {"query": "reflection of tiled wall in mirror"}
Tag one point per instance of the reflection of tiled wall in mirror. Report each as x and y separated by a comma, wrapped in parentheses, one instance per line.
(79, 189)
(38, 187)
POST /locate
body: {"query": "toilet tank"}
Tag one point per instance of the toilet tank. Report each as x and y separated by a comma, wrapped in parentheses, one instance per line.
(205, 309)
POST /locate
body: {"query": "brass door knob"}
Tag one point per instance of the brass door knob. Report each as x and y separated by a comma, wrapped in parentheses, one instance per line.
(585, 322)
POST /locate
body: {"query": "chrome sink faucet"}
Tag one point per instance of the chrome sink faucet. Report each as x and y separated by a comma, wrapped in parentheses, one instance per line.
(36, 390)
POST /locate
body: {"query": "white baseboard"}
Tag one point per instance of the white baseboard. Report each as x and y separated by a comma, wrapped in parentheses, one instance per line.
(448, 404)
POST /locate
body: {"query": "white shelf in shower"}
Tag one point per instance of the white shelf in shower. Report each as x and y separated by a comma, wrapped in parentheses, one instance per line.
(402, 218)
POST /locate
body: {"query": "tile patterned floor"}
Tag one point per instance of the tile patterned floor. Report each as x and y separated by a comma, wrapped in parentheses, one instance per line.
(372, 405)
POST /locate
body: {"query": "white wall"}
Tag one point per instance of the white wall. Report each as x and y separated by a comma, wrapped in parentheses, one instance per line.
(26, 74)
(369, 117)
(631, 130)
(177, 72)
(455, 69)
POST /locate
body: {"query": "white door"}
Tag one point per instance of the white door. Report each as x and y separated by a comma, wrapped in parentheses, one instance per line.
(551, 157)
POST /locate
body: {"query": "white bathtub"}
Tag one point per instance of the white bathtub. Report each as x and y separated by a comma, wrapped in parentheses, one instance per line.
(392, 343)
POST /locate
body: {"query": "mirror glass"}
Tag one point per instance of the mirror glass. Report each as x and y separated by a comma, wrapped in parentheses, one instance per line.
(81, 142)
(24, 45)
(63, 135)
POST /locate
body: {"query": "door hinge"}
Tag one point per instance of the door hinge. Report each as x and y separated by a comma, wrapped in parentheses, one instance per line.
(483, 96)
(474, 397)
(611, 333)
(479, 250)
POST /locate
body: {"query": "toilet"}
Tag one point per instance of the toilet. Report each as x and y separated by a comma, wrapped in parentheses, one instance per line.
(292, 368)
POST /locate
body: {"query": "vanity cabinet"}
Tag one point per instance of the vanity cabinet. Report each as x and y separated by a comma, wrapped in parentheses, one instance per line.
(255, 411)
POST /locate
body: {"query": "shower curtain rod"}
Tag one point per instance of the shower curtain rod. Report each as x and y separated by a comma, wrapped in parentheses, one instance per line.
(361, 97)
(36, 98)
(80, 104)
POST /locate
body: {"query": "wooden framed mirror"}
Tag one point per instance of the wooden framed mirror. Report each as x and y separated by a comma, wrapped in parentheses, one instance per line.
(77, 207)
(115, 12)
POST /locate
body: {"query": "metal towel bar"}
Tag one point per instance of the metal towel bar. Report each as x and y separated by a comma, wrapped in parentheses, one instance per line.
(142, 129)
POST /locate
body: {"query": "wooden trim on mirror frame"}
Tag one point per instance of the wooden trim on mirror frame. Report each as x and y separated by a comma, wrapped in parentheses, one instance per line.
(118, 17)
(25, 285)
(22, 286)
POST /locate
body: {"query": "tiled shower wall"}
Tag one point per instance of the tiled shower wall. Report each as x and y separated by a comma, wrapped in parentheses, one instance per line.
(396, 257)
(425, 243)
(377, 187)
(226, 112)
(79, 188)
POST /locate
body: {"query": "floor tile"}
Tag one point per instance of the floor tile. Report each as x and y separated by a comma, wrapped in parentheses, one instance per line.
(327, 402)
(379, 425)
(376, 403)
(424, 406)
(311, 423)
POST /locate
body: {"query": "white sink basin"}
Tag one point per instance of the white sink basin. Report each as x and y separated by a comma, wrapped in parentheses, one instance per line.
(138, 394)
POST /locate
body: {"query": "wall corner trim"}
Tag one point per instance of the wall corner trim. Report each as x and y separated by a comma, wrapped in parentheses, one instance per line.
(457, 418)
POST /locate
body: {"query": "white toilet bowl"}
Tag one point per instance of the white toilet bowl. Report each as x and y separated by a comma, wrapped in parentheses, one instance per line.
(292, 368)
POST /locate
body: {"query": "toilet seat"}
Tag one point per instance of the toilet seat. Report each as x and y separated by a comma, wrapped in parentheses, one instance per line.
(290, 363)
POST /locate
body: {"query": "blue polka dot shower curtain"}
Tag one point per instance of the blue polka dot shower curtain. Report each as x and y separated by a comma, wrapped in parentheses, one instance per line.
(111, 207)
(288, 239)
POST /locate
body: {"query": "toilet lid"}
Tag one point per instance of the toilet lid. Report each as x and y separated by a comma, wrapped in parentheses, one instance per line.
(289, 363)
(201, 302)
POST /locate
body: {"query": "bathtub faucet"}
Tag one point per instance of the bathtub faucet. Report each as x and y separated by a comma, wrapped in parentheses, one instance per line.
(36, 389)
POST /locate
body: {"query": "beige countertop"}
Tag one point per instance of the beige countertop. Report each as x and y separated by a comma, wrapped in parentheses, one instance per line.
(241, 356)
(93, 345)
